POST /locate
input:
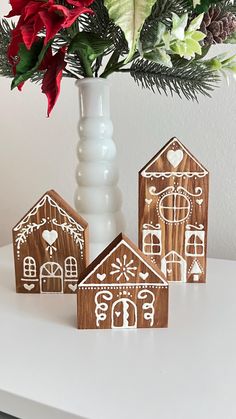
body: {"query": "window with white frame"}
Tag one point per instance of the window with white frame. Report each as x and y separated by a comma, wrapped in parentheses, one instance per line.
(71, 268)
(194, 243)
(152, 242)
(29, 267)
(174, 207)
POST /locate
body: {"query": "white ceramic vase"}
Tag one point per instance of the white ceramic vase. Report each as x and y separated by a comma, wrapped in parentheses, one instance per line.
(98, 198)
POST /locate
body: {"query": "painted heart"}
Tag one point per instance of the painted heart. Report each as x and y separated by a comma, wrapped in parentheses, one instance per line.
(72, 287)
(148, 201)
(199, 201)
(117, 313)
(101, 277)
(50, 236)
(143, 275)
(29, 287)
(169, 271)
(175, 157)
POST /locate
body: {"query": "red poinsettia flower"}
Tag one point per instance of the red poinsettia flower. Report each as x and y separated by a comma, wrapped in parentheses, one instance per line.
(54, 65)
(37, 15)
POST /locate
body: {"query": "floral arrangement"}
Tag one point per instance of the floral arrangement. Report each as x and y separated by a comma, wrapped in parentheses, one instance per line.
(162, 44)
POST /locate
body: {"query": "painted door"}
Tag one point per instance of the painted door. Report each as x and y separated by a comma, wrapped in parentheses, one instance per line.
(124, 314)
(174, 267)
(51, 278)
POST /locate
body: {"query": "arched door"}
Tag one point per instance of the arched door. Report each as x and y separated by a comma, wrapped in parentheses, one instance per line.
(124, 314)
(174, 267)
(51, 278)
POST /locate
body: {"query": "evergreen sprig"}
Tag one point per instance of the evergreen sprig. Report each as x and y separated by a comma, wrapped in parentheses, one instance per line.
(5, 35)
(100, 24)
(186, 80)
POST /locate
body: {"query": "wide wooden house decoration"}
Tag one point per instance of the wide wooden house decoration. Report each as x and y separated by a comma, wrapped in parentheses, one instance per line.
(173, 213)
(122, 289)
(50, 247)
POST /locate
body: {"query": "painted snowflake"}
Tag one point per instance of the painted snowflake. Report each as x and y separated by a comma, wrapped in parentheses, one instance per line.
(124, 268)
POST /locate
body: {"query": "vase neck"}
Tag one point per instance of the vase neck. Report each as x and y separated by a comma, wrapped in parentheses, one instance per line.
(94, 98)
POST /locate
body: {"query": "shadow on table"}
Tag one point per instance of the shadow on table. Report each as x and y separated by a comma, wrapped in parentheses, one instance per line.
(5, 416)
(23, 408)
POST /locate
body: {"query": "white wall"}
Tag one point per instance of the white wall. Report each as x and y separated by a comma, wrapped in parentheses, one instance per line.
(37, 153)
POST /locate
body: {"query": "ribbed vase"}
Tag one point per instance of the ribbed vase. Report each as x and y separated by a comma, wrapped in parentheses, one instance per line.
(98, 198)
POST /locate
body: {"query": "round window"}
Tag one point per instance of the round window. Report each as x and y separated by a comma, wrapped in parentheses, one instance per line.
(174, 207)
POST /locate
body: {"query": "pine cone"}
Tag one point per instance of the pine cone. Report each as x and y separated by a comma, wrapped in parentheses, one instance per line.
(217, 25)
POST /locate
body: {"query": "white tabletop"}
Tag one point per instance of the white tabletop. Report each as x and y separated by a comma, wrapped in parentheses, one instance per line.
(51, 370)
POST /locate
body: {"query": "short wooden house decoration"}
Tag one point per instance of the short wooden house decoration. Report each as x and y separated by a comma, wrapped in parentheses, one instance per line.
(50, 247)
(122, 289)
(173, 213)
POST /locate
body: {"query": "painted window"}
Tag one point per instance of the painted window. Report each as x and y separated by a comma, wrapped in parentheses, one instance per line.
(29, 267)
(194, 243)
(174, 207)
(71, 268)
(152, 242)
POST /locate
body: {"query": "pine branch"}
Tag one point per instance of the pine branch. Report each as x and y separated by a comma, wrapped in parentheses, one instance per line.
(228, 6)
(5, 36)
(189, 79)
(162, 12)
(100, 23)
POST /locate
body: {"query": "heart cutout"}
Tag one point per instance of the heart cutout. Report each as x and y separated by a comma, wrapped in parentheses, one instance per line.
(199, 201)
(29, 287)
(169, 271)
(50, 236)
(117, 313)
(148, 201)
(72, 287)
(175, 157)
(101, 277)
(143, 275)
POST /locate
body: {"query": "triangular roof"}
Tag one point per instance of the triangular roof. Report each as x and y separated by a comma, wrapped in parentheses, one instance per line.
(184, 164)
(88, 278)
(55, 200)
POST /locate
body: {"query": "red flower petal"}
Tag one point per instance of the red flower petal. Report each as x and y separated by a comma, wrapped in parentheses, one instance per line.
(52, 78)
(30, 30)
(17, 7)
(16, 40)
(74, 14)
(53, 20)
(79, 3)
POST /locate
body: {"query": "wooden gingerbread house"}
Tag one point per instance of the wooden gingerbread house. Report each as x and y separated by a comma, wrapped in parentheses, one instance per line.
(50, 247)
(122, 289)
(173, 213)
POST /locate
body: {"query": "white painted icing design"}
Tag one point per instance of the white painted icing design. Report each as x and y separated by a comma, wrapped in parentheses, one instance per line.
(148, 306)
(175, 157)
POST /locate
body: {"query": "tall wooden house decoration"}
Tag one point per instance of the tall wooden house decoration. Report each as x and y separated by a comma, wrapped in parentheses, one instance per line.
(173, 213)
(50, 247)
(122, 289)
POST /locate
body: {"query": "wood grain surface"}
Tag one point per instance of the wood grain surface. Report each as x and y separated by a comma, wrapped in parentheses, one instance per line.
(122, 289)
(50, 247)
(173, 213)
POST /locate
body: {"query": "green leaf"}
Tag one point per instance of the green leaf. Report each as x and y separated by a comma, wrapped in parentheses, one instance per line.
(159, 56)
(29, 61)
(192, 48)
(90, 44)
(205, 4)
(195, 23)
(130, 16)
(198, 36)
(178, 25)
(231, 39)
(196, 2)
